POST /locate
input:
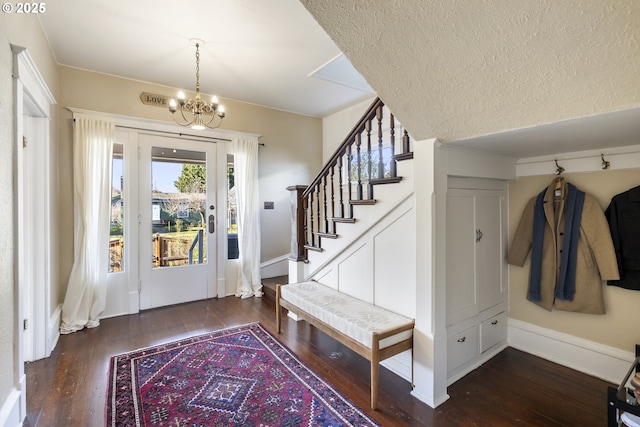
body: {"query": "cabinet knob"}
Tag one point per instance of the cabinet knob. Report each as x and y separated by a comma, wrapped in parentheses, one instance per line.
(463, 339)
(495, 322)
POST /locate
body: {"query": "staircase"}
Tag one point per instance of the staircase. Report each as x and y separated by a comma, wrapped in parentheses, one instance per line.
(366, 159)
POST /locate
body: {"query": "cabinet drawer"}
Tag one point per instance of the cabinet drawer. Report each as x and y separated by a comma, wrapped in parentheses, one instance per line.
(461, 348)
(493, 331)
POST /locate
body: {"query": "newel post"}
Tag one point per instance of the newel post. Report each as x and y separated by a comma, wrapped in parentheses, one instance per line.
(297, 223)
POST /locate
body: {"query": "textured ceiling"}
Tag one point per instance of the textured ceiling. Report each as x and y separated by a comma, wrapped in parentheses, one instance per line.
(458, 69)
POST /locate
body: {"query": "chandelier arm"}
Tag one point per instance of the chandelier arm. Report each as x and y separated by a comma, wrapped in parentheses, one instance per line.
(187, 121)
(213, 116)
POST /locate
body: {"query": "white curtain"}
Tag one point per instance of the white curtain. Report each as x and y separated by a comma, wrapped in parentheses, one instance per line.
(92, 157)
(245, 157)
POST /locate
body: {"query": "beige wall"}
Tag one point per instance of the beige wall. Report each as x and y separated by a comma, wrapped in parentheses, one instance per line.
(292, 153)
(618, 327)
(25, 31)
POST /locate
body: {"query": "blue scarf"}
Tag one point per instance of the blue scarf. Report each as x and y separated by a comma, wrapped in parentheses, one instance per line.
(566, 286)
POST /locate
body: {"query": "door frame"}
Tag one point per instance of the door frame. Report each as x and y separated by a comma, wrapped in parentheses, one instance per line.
(130, 304)
(33, 103)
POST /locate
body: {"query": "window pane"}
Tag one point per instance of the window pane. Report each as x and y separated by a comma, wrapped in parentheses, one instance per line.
(232, 226)
(116, 240)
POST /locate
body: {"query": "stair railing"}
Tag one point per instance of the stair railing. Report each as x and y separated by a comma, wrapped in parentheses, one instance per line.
(365, 158)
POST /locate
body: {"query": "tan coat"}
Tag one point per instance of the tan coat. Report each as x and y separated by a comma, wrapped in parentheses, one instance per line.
(596, 259)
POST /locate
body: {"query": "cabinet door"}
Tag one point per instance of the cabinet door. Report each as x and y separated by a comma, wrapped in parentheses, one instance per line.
(461, 265)
(490, 256)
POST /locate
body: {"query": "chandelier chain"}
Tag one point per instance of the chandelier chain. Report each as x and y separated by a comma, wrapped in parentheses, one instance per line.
(197, 67)
(196, 112)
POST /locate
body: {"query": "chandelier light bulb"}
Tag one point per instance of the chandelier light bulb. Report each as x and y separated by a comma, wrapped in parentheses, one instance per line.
(197, 113)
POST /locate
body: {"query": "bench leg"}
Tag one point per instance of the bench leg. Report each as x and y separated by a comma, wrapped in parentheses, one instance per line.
(375, 370)
(278, 309)
(374, 384)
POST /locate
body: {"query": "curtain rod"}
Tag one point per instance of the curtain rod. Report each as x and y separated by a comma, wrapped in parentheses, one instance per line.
(176, 133)
(173, 133)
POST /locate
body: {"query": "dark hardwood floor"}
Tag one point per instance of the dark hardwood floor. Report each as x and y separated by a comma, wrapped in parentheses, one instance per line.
(514, 388)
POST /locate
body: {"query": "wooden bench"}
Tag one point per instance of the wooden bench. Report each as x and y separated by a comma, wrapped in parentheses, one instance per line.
(371, 331)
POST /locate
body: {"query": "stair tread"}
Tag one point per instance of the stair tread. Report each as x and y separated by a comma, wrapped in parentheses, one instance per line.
(363, 202)
(403, 156)
(389, 180)
(327, 235)
(344, 220)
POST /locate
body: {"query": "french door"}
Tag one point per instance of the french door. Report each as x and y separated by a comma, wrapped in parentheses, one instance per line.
(176, 221)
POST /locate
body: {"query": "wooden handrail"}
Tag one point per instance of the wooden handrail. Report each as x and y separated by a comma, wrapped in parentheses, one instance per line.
(342, 148)
(314, 206)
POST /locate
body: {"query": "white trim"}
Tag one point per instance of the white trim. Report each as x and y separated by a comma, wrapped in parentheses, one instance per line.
(433, 403)
(478, 361)
(627, 157)
(10, 410)
(400, 365)
(275, 267)
(592, 358)
(25, 69)
(162, 126)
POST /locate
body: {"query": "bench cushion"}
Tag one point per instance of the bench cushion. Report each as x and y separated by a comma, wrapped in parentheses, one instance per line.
(350, 316)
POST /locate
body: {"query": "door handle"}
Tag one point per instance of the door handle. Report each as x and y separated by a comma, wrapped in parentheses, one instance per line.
(212, 224)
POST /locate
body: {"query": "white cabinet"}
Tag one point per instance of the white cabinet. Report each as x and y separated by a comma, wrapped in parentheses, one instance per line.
(476, 271)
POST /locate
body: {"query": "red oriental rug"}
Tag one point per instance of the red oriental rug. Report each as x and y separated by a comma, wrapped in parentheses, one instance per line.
(241, 376)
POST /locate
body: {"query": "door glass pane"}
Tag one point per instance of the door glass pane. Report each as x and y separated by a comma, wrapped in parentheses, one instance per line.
(116, 240)
(178, 207)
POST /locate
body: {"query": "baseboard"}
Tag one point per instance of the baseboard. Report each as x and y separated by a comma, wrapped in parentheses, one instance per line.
(275, 267)
(10, 410)
(475, 364)
(399, 365)
(433, 403)
(598, 360)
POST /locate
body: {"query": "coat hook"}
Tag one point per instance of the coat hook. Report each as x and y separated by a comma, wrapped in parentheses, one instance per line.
(605, 164)
(559, 169)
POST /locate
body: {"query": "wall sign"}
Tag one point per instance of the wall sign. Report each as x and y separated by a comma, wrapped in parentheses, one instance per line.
(154, 99)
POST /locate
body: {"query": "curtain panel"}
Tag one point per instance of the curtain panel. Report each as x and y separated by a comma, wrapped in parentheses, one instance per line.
(245, 155)
(92, 156)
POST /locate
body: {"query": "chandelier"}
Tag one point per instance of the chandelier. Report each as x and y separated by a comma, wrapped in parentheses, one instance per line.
(197, 113)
